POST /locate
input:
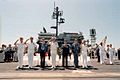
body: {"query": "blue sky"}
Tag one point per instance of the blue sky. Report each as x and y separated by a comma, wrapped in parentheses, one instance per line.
(27, 17)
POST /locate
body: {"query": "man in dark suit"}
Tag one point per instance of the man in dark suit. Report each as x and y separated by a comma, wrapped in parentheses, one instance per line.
(76, 51)
(42, 49)
(97, 53)
(65, 53)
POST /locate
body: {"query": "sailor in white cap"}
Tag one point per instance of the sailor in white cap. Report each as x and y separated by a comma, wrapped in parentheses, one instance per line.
(101, 52)
(20, 52)
(31, 50)
(84, 51)
(111, 53)
(53, 49)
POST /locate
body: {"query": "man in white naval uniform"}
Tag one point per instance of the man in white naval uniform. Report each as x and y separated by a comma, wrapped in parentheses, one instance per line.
(53, 49)
(111, 53)
(31, 50)
(84, 54)
(101, 52)
(104, 44)
(20, 52)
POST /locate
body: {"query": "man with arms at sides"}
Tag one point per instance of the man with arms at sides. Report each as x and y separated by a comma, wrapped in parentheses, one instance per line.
(111, 54)
(65, 53)
(76, 50)
(84, 54)
(97, 53)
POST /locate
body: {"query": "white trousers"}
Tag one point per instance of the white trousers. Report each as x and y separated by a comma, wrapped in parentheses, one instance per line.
(111, 58)
(53, 56)
(101, 58)
(30, 59)
(84, 57)
(20, 59)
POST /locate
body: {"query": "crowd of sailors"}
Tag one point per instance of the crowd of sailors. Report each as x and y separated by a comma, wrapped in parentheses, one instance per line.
(52, 49)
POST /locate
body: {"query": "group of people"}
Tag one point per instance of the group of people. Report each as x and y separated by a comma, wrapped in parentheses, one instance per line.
(8, 53)
(51, 47)
(21, 48)
(106, 53)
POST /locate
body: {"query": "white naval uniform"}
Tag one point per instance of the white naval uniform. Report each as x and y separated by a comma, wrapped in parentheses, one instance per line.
(111, 53)
(20, 51)
(53, 49)
(84, 55)
(31, 51)
(101, 52)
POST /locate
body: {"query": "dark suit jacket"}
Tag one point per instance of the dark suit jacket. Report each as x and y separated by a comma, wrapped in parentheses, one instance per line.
(40, 49)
